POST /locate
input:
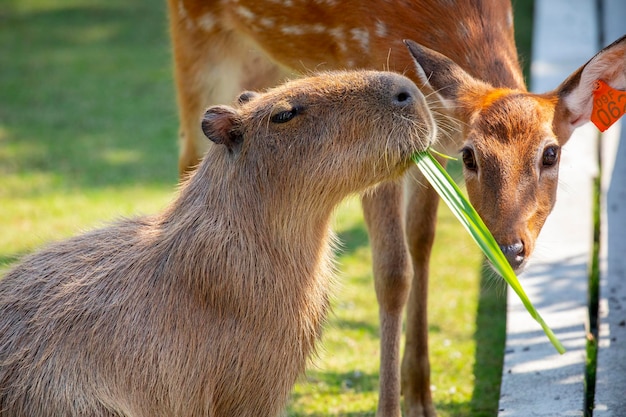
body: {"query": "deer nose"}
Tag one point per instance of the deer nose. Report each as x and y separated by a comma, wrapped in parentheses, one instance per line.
(514, 253)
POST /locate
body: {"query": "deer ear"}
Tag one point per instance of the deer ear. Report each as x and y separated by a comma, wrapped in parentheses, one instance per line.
(575, 94)
(222, 125)
(442, 75)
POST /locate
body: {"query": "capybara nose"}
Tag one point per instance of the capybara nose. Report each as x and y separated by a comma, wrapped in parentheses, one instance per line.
(402, 98)
(404, 92)
(514, 253)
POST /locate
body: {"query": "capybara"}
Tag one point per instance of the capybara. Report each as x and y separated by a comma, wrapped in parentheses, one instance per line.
(212, 306)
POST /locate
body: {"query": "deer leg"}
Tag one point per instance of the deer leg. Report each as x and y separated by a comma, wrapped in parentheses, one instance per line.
(383, 211)
(421, 220)
(212, 64)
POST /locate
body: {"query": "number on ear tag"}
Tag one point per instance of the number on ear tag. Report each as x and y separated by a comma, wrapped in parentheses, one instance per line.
(609, 105)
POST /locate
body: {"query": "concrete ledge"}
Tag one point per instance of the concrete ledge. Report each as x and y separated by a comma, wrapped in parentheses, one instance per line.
(610, 394)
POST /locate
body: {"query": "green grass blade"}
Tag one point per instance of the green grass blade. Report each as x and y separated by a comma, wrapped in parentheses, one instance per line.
(469, 218)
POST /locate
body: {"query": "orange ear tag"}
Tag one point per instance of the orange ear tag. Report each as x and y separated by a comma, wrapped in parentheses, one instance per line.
(609, 105)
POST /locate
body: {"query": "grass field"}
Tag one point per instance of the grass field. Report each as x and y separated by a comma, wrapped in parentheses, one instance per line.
(88, 130)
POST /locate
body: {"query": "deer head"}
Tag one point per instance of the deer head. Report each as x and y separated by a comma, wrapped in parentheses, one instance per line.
(512, 139)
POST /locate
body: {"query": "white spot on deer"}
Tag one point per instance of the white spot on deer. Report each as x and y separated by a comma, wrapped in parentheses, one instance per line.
(380, 29)
(509, 18)
(207, 22)
(267, 22)
(340, 37)
(293, 30)
(182, 11)
(245, 13)
(318, 28)
(362, 36)
(303, 29)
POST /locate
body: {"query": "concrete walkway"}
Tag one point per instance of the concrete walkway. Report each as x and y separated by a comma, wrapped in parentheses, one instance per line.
(537, 381)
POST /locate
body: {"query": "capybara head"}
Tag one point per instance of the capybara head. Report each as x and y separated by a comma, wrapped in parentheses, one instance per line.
(348, 129)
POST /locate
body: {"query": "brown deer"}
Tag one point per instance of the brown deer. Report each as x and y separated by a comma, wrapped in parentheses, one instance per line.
(466, 63)
(211, 307)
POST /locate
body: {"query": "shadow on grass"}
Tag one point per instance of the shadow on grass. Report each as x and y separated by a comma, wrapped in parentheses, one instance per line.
(325, 384)
(335, 382)
(490, 342)
(372, 329)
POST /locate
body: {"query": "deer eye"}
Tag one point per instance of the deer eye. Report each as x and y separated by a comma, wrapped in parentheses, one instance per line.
(550, 156)
(285, 115)
(468, 159)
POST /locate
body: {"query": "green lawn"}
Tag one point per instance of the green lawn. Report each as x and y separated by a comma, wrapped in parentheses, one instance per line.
(88, 129)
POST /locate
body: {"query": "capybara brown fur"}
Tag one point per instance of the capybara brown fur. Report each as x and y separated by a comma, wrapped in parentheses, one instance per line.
(211, 307)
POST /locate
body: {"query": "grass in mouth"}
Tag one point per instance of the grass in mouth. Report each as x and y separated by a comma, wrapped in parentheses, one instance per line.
(469, 218)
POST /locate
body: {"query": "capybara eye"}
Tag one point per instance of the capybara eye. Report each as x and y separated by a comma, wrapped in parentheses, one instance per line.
(469, 160)
(284, 116)
(550, 156)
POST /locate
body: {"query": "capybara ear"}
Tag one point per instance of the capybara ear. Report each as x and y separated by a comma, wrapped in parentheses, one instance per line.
(221, 124)
(246, 96)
